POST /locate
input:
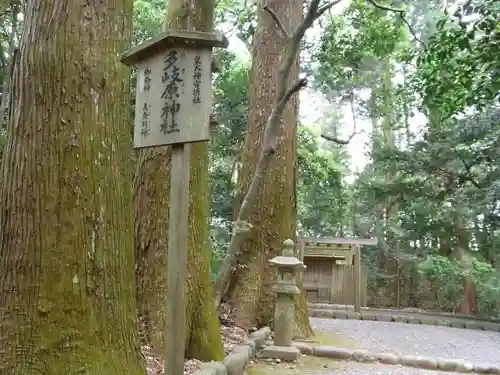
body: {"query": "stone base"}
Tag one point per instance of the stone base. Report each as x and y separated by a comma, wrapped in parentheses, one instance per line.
(285, 353)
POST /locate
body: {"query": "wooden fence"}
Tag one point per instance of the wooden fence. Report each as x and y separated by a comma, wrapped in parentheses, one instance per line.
(325, 281)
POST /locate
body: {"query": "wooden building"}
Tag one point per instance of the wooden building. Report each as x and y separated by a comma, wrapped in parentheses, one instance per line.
(334, 273)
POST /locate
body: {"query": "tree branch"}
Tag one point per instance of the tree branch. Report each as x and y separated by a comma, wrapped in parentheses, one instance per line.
(283, 93)
(276, 19)
(326, 7)
(338, 141)
(430, 167)
(299, 84)
(402, 14)
(354, 132)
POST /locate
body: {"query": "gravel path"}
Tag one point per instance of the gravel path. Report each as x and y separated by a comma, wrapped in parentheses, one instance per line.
(416, 339)
(354, 368)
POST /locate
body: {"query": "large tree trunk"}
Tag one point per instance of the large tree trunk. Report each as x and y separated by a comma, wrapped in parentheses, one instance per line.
(67, 288)
(151, 201)
(273, 219)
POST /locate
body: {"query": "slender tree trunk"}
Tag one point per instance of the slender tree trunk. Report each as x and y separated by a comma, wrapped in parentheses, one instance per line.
(273, 220)
(461, 253)
(8, 63)
(381, 103)
(67, 289)
(390, 262)
(151, 201)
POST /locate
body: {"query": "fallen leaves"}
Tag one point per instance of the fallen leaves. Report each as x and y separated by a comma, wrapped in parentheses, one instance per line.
(231, 334)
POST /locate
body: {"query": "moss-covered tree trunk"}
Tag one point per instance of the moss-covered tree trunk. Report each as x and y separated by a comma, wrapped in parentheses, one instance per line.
(273, 219)
(151, 201)
(67, 287)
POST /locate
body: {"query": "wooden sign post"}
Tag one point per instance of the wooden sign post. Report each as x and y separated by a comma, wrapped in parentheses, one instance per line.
(173, 107)
(357, 278)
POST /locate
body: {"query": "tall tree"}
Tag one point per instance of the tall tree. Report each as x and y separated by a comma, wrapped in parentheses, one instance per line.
(151, 192)
(66, 244)
(274, 213)
(358, 52)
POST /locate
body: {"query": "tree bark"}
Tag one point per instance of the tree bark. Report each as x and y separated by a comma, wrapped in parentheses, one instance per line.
(151, 201)
(273, 218)
(67, 288)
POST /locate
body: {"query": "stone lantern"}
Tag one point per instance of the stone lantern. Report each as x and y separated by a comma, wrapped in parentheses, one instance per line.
(286, 290)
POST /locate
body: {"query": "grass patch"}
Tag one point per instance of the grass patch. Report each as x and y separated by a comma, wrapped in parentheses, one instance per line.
(304, 365)
(323, 338)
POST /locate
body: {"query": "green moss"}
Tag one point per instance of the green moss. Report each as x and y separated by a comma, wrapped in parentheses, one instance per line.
(204, 341)
(330, 339)
(305, 365)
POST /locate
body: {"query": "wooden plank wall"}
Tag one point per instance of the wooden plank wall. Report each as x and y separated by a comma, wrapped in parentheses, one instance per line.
(335, 283)
(318, 274)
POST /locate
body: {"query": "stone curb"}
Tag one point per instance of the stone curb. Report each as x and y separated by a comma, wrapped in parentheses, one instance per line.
(236, 361)
(392, 311)
(380, 317)
(427, 363)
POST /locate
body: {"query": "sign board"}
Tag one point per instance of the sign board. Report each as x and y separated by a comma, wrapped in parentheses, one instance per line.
(173, 97)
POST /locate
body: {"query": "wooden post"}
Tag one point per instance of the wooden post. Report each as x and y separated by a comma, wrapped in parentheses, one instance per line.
(398, 287)
(333, 287)
(301, 247)
(357, 278)
(177, 260)
(173, 107)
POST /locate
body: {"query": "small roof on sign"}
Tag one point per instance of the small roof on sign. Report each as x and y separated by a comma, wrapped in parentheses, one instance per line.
(172, 39)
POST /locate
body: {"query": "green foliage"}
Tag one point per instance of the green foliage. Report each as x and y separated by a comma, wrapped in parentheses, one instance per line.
(453, 172)
(321, 195)
(487, 280)
(446, 278)
(422, 189)
(241, 15)
(148, 19)
(460, 67)
(231, 107)
(352, 47)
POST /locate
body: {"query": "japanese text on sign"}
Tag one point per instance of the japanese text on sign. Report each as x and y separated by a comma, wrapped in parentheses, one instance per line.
(146, 113)
(173, 98)
(147, 80)
(197, 80)
(172, 78)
